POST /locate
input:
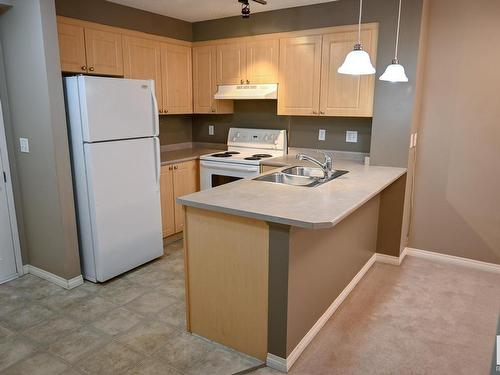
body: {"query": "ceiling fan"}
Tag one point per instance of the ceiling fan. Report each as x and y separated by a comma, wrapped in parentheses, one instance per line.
(245, 7)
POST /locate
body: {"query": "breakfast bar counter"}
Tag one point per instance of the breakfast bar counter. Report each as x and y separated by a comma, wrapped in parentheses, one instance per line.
(267, 263)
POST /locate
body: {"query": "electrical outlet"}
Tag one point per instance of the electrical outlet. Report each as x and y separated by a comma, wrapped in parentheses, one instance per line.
(24, 144)
(351, 136)
(211, 130)
(322, 134)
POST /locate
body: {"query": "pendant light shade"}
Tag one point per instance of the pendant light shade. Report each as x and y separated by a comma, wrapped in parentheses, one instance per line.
(395, 72)
(357, 62)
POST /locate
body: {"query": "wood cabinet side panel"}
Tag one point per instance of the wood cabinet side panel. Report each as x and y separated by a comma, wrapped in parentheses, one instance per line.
(167, 200)
(227, 272)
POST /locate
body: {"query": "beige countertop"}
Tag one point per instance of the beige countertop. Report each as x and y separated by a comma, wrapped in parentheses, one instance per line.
(185, 154)
(314, 208)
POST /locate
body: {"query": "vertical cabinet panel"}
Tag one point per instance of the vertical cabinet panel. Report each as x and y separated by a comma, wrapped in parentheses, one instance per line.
(346, 95)
(205, 82)
(104, 52)
(177, 83)
(141, 60)
(204, 78)
(299, 75)
(167, 200)
(186, 181)
(72, 48)
(231, 64)
(262, 61)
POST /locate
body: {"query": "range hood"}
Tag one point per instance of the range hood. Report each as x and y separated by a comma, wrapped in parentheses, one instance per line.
(242, 92)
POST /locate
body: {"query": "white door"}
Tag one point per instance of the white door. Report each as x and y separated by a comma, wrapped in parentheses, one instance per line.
(8, 269)
(123, 179)
(116, 108)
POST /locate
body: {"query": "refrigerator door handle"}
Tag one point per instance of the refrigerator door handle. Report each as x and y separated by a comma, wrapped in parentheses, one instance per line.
(158, 161)
(155, 110)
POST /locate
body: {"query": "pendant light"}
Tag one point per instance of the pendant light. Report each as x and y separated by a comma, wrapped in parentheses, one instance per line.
(395, 72)
(357, 62)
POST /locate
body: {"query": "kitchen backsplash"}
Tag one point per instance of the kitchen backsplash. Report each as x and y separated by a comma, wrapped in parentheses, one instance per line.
(302, 131)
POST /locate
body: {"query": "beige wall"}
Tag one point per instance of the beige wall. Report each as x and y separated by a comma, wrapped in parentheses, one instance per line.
(36, 107)
(457, 196)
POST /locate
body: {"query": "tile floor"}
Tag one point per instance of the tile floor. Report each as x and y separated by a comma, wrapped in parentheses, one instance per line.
(133, 324)
(420, 318)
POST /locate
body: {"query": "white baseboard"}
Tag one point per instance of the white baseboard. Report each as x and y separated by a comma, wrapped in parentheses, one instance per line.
(451, 259)
(391, 259)
(282, 364)
(58, 280)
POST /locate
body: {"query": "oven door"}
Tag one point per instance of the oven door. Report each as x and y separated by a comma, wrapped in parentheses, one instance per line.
(213, 174)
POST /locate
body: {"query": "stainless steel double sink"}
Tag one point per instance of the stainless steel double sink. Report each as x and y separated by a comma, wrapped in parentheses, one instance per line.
(300, 176)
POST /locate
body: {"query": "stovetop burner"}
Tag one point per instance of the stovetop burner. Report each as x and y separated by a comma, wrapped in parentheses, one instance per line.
(232, 152)
(262, 156)
(223, 155)
(253, 158)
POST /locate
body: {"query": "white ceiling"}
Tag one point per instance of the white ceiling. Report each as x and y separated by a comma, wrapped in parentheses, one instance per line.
(200, 10)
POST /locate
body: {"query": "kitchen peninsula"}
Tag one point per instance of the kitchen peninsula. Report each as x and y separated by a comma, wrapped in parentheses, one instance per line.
(267, 264)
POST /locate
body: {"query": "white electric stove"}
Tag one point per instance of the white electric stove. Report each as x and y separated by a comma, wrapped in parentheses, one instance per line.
(246, 149)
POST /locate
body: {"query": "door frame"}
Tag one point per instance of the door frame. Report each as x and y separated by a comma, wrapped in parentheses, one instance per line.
(4, 165)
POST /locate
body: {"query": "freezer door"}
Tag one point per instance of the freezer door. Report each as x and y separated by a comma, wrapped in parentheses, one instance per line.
(115, 108)
(124, 199)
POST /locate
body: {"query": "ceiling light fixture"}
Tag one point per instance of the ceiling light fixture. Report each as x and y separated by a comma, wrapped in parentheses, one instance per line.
(357, 62)
(245, 7)
(395, 72)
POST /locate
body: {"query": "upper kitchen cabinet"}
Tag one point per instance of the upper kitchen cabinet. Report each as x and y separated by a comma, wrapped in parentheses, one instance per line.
(142, 60)
(262, 61)
(177, 86)
(72, 48)
(309, 82)
(205, 82)
(104, 52)
(299, 76)
(231, 64)
(89, 50)
(248, 62)
(341, 94)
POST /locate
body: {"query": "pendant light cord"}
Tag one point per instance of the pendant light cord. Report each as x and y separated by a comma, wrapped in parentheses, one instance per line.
(397, 32)
(359, 21)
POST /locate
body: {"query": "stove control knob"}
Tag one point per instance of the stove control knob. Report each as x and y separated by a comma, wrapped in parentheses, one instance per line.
(238, 135)
(266, 138)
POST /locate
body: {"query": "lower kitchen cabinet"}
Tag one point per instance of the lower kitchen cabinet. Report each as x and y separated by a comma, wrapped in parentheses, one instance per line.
(176, 180)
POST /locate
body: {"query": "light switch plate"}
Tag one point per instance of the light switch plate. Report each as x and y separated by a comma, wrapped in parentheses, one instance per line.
(322, 135)
(211, 130)
(24, 145)
(351, 136)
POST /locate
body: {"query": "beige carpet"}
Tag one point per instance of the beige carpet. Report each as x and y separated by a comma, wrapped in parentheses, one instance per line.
(420, 318)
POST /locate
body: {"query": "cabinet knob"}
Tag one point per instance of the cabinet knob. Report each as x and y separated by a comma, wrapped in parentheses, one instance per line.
(84, 67)
(242, 82)
(176, 167)
(213, 109)
(91, 68)
(248, 82)
(166, 111)
(169, 168)
(315, 112)
(321, 112)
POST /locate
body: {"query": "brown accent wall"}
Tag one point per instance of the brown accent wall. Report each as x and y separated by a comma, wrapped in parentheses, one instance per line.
(302, 130)
(393, 107)
(117, 15)
(175, 129)
(457, 201)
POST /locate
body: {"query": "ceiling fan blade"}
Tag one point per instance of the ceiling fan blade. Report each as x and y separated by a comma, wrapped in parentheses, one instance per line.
(263, 2)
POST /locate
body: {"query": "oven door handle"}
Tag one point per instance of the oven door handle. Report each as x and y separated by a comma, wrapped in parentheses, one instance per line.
(227, 167)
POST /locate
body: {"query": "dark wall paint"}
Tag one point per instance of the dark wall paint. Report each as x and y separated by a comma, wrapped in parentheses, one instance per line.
(393, 107)
(175, 129)
(302, 131)
(117, 15)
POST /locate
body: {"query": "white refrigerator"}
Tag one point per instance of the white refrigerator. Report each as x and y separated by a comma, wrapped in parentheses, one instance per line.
(115, 152)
